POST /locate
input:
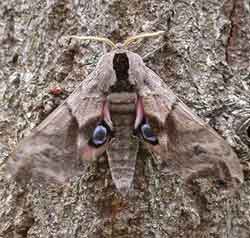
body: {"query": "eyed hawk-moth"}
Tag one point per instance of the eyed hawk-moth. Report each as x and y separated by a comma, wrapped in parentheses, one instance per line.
(119, 104)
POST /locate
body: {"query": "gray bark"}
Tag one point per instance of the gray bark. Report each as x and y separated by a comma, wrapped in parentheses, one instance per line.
(204, 58)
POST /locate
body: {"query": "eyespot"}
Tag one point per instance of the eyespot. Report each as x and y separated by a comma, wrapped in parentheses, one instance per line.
(147, 133)
(100, 135)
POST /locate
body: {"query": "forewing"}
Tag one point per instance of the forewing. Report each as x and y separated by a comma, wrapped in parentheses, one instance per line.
(189, 145)
(50, 152)
(54, 148)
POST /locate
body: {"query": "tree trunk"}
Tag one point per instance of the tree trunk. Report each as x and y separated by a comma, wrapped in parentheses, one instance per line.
(204, 57)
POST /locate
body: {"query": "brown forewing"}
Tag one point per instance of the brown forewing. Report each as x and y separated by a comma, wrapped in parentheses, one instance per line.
(53, 150)
(189, 144)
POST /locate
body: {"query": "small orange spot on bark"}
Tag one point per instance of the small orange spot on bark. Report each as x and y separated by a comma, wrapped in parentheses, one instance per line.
(56, 91)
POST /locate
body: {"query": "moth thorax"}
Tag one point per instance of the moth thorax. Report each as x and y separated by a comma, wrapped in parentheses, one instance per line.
(121, 68)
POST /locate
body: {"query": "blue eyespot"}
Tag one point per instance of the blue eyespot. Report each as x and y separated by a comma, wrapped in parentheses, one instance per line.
(99, 136)
(148, 134)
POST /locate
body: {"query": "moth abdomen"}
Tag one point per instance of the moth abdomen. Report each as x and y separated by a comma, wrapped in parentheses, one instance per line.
(122, 150)
(122, 161)
(122, 103)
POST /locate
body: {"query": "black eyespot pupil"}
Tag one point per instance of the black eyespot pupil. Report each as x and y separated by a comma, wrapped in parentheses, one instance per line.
(147, 133)
(99, 135)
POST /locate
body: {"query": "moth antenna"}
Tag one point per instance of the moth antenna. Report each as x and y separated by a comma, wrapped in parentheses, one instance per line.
(96, 38)
(140, 36)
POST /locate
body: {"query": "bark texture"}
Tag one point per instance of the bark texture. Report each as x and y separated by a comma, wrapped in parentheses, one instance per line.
(204, 58)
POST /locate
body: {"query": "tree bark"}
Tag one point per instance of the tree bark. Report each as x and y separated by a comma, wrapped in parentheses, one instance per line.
(204, 57)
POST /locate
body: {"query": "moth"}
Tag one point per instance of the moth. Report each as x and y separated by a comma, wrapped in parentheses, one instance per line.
(121, 103)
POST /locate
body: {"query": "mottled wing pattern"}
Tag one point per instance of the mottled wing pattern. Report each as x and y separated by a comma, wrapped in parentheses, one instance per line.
(50, 150)
(188, 144)
(53, 147)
